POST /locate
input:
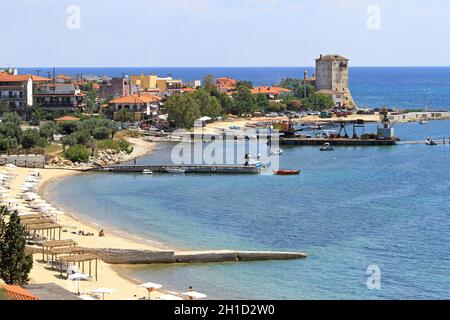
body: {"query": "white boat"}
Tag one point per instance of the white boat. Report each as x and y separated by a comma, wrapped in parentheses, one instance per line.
(147, 171)
(430, 142)
(175, 171)
(423, 122)
(276, 152)
(327, 147)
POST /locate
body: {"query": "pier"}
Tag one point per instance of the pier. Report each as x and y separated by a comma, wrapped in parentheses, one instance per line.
(336, 142)
(189, 169)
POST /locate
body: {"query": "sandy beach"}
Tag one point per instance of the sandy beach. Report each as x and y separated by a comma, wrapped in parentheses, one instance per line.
(108, 277)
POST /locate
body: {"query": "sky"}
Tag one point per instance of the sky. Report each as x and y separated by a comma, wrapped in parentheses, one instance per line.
(196, 33)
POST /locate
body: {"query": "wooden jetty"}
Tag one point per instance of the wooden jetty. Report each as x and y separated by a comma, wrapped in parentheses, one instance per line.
(189, 169)
(336, 142)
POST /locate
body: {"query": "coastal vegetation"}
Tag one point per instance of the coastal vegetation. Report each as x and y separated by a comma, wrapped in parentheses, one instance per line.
(15, 264)
(82, 138)
(12, 136)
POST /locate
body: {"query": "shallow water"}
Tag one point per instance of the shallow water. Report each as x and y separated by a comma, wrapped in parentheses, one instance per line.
(351, 208)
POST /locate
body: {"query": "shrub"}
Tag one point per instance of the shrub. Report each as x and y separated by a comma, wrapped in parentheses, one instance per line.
(7, 143)
(118, 145)
(67, 128)
(77, 153)
(101, 133)
(29, 138)
(47, 130)
(42, 142)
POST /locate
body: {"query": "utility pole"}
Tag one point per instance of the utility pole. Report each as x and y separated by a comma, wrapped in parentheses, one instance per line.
(305, 76)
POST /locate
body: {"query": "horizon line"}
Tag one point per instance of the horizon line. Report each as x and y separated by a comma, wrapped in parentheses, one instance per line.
(204, 67)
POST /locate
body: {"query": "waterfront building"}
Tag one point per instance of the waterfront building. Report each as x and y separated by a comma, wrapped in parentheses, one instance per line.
(168, 86)
(116, 87)
(17, 90)
(59, 97)
(332, 79)
(61, 78)
(226, 85)
(141, 106)
(272, 93)
(144, 82)
(156, 85)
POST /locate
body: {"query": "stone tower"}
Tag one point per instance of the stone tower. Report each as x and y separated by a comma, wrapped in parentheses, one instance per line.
(332, 79)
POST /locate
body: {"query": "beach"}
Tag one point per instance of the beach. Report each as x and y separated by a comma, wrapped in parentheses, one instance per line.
(108, 277)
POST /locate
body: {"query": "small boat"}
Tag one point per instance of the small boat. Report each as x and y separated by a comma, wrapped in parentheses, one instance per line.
(276, 152)
(286, 172)
(423, 122)
(175, 171)
(430, 142)
(147, 171)
(327, 147)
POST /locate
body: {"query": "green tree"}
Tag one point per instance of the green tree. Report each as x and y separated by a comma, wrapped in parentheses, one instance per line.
(244, 101)
(91, 100)
(209, 105)
(183, 110)
(4, 108)
(12, 117)
(29, 138)
(209, 83)
(37, 114)
(124, 115)
(226, 103)
(276, 106)
(262, 102)
(244, 83)
(77, 153)
(15, 264)
(102, 133)
(7, 143)
(215, 110)
(297, 86)
(67, 127)
(318, 102)
(47, 130)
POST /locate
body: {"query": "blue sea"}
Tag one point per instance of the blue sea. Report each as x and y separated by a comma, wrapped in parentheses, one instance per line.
(350, 209)
(399, 87)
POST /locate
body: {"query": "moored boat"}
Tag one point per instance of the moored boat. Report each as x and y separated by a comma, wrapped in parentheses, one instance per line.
(283, 172)
(327, 147)
(175, 171)
(147, 171)
(276, 152)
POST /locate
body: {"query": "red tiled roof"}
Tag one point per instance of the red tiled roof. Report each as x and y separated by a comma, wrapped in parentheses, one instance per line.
(17, 293)
(226, 83)
(68, 118)
(270, 90)
(5, 77)
(144, 98)
(63, 77)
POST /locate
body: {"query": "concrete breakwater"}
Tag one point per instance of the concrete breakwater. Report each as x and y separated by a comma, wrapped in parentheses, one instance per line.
(132, 256)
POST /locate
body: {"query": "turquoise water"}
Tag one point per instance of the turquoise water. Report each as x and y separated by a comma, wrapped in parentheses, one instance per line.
(351, 208)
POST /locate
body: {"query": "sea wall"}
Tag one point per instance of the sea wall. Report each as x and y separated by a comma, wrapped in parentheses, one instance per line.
(131, 256)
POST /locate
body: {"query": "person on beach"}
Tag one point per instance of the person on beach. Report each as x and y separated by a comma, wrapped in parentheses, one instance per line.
(134, 161)
(101, 233)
